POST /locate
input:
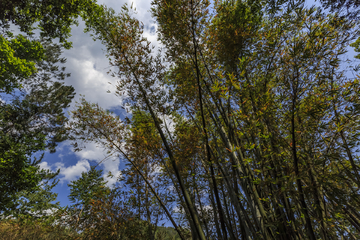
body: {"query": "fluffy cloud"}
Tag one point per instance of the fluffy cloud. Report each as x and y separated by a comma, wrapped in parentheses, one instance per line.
(45, 166)
(72, 172)
(111, 165)
(87, 62)
(144, 15)
(108, 163)
(91, 152)
(88, 66)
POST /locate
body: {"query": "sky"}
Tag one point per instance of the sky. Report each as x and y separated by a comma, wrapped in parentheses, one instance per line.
(88, 65)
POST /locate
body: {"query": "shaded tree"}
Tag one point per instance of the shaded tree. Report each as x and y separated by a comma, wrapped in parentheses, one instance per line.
(32, 120)
(31, 117)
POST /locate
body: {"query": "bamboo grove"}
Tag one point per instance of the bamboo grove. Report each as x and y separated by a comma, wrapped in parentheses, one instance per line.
(245, 121)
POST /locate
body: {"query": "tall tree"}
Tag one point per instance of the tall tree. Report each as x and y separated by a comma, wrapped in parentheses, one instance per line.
(100, 212)
(32, 117)
(37, 204)
(265, 121)
(89, 187)
(32, 120)
(95, 124)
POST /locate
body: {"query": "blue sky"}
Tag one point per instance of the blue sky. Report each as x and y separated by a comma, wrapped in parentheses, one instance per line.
(88, 65)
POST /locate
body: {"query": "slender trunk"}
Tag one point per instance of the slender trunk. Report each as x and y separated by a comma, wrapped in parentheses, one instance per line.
(186, 195)
(200, 204)
(247, 225)
(218, 203)
(148, 213)
(320, 208)
(228, 222)
(153, 191)
(212, 201)
(304, 208)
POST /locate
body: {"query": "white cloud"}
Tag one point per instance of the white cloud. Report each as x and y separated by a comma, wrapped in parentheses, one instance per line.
(111, 165)
(115, 4)
(92, 152)
(177, 209)
(88, 66)
(87, 62)
(171, 188)
(92, 83)
(208, 208)
(61, 156)
(144, 15)
(73, 172)
(44, 165)
(156, 168)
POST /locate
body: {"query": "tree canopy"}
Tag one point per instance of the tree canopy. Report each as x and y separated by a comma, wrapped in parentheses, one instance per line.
(244, 124)
(246, 112)
(33, 94)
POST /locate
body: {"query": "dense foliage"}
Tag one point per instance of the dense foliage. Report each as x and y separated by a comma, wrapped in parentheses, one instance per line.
(32, 120)
(33, 94)
(243, 125)
(246, 122)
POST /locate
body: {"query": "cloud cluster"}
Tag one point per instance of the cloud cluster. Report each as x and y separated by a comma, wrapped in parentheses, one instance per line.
(72, 172)
(88, 66)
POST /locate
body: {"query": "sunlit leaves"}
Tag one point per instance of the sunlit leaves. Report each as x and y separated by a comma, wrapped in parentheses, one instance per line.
(19, 56)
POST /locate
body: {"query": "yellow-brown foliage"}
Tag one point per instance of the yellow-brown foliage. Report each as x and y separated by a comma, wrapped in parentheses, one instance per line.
(14, 230)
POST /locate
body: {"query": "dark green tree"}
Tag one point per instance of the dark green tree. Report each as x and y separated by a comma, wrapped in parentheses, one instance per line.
(53, 18)
(38, 204)
(32, 120)
(89, 187)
